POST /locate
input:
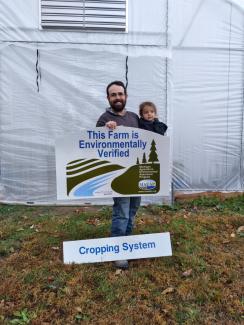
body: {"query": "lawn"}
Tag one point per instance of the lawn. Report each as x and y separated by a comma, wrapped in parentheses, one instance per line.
(200, 284)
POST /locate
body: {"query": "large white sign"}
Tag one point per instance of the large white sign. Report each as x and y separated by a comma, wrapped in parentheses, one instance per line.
(117, 248)
(101, 162)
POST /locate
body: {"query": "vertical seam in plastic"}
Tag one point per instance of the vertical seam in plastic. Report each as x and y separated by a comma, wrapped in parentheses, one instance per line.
(126, 71)
(228, 92)
(166, 63)
(242, 122)
(38, 75)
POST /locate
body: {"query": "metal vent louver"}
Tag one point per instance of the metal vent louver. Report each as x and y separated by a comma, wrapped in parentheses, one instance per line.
(90, 15)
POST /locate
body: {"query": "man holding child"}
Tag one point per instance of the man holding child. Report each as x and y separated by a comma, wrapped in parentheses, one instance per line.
(125, 208)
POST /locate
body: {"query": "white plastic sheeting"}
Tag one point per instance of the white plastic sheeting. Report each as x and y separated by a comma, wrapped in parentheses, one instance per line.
(71, 96)
(20, 22)
(54, 82)
(208, 109)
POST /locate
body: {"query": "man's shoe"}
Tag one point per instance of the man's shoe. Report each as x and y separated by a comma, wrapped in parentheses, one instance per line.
(122, 264)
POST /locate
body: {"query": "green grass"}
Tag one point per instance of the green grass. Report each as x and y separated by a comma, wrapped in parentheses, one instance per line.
(36, 288)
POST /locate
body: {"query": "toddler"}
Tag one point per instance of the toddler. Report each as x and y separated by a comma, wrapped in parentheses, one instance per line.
(148, 118)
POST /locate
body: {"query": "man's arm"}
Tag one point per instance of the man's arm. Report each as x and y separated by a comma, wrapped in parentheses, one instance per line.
(107, 120)
(110, 124)
(101, 121)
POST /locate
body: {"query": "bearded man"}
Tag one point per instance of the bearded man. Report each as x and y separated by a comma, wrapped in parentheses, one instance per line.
(124, 208)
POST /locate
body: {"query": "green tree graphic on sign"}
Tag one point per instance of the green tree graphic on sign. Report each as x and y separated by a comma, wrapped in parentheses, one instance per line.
(153, 156)
(144, 159)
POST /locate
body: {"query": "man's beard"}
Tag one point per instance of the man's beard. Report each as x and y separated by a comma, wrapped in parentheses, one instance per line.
(118, 105)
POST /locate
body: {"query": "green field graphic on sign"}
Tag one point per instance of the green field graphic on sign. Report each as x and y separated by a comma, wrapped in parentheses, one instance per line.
(138, 179)
(81, 170)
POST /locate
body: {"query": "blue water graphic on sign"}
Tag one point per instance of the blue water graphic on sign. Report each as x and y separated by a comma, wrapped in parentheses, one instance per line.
(89, 187)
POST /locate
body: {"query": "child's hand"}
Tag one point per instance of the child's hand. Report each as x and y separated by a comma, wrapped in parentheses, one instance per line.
(111, 125)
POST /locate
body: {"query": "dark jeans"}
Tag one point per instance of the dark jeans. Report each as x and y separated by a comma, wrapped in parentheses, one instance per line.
(124, 211)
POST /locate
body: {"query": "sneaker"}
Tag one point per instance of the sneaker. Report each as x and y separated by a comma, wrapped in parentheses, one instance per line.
(122, 264)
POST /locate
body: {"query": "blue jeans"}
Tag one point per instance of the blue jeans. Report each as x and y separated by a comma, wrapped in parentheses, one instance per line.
(124, 211)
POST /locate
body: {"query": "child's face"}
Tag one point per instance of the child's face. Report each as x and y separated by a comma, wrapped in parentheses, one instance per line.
(148, 113)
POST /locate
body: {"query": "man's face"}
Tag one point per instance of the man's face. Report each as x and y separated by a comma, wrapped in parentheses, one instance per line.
(117, 98)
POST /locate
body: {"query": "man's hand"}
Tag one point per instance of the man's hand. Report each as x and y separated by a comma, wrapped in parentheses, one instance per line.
(111, 125)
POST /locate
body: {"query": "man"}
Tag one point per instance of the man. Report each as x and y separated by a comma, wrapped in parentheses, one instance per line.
(124, 208)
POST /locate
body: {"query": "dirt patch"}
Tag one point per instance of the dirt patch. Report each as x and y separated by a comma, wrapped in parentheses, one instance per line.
(181, 197)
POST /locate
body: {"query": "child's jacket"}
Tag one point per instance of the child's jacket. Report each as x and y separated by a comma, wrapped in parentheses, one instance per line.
(154, 126)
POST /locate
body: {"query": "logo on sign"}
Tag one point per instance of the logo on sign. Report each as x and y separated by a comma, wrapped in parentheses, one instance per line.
(147, 184)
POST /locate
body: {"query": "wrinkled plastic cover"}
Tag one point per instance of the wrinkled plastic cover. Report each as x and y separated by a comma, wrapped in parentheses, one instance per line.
(208, 106)
(53, 83)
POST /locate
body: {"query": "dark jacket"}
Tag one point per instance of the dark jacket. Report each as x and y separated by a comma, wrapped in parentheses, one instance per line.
(154, 126)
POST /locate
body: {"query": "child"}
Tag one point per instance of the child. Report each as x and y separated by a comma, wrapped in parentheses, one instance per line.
(148, 118)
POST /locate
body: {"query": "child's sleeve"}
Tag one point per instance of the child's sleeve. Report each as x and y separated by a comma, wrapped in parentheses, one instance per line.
(160, 128)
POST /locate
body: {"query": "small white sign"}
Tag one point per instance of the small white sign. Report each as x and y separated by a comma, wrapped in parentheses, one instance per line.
(117, 248)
